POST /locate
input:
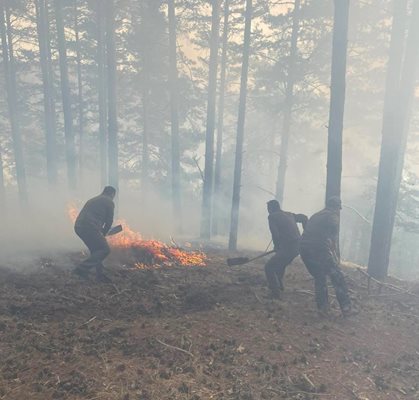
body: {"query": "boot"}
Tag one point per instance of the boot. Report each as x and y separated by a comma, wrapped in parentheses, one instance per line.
(81, 272)
(348, 311)
(101, 277)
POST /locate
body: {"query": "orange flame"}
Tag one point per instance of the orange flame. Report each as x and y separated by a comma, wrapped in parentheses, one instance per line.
(156, 251)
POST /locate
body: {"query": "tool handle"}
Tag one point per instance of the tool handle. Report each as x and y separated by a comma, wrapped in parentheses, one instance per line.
(262, 255)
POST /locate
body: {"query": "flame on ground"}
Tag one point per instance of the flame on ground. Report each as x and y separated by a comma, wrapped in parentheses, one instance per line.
(151, 252)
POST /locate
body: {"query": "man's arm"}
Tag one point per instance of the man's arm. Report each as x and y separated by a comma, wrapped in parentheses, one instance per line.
(302, 219)
(275, 233)
(109, 219)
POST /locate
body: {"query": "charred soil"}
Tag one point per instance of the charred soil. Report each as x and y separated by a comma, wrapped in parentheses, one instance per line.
(201, 333)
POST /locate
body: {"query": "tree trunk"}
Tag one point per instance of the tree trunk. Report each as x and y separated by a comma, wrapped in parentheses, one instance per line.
(220, 123)
(112, 109)
(49, 107)
(70, 146)
(2, 187)
(288, 104)
(395, 127)
(240, 130)
(145, 154)
(174, 102)
(210, 127)
(11, 90)
(79, 93)
(103, 130)
(337, 98)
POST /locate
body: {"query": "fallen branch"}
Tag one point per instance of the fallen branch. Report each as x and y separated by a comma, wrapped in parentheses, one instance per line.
(176, 348)
(387, 285)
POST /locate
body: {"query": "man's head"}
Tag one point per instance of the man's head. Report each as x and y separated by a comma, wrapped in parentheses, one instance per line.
(334, 203)
(109, 191)
(273, 206)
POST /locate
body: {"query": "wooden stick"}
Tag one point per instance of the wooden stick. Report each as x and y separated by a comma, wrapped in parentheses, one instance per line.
(176, 348)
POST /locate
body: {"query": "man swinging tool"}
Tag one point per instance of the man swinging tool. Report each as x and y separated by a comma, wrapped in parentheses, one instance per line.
(91, 226)
(286, 240)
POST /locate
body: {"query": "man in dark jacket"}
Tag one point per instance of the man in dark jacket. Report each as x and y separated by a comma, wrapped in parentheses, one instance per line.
(320, 253)
(286, 240)
(92, 225)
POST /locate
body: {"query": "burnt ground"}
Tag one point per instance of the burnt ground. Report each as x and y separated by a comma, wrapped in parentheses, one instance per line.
(200, 333)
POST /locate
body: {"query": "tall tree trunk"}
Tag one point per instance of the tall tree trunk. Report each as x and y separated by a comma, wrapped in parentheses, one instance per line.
(288, 104)
(174, 112)
(79, 92)
(42, 24)
(70, 146)
(210, 127)
(2, 187)
(337, 98)
(11, 90)
(145, 173)
(234, 227)
(220, 123)
(395, 128)
(102, 90)
(112, 109)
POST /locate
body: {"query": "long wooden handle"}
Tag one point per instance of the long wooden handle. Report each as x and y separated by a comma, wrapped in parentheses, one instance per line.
(261, 255)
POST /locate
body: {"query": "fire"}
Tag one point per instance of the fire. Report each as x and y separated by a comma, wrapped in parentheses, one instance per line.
(151, 252)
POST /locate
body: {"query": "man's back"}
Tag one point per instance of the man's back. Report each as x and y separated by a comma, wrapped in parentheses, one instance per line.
(284, 229)
(97, 212)
(321, 229)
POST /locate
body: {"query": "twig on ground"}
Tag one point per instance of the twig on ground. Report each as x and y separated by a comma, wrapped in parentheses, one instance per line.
(176, 348)
(88, 322)
(307, 379)
(116, 288)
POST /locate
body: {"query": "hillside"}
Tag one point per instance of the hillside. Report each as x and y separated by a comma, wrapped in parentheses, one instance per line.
(200, 333)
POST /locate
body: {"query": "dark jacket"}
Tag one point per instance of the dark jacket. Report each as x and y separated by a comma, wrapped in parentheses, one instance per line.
(284, 230)
(322, 231)
(96, 214)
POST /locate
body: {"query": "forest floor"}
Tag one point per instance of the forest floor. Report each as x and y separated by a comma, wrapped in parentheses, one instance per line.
(200, 333)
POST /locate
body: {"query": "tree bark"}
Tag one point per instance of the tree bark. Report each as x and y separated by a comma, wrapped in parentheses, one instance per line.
(399, 94)
(112, 108)
(145, 180)
(49, 107)
(2, 187)
(174, 113)
(220, 123)
(70, 146)
(210, 126)
(79, 93)
(337, 98)
(102, 90)
(11, 90)
(240, 130)
(288, 104)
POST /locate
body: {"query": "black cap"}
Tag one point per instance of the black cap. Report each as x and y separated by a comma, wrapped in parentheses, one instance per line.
(273, 204)
(109, 190)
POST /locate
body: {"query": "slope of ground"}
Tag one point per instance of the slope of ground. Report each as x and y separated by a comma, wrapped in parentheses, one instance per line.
(200, 333)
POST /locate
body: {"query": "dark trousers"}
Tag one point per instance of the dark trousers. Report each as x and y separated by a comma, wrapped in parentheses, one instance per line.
(97, 245)
(321, 265)
(275, 269)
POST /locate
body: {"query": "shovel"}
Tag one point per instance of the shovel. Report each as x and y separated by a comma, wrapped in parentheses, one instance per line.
(114, 230)
(245, 260)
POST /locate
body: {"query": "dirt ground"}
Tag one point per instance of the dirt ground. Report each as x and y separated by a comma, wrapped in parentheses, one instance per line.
(200, 333)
